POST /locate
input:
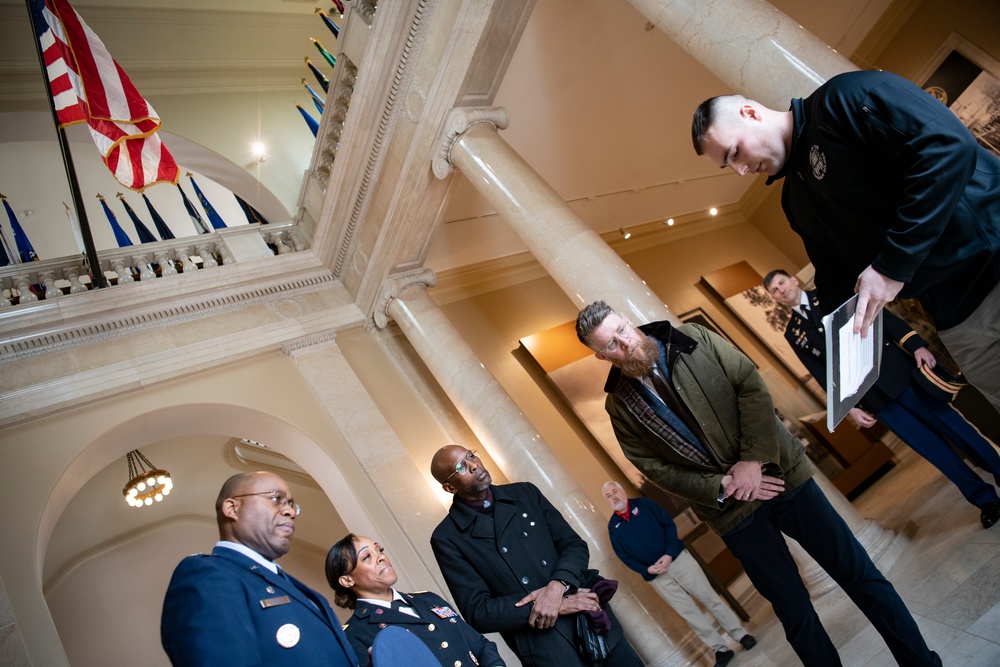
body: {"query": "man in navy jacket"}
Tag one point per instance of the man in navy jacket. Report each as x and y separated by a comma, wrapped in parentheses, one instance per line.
(891, 195)
(236, 606)
(645, 538)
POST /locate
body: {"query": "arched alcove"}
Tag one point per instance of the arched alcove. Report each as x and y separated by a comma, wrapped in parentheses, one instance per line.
(116, 561)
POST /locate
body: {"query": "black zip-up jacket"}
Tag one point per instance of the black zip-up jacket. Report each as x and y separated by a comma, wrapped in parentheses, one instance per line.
(882, 173)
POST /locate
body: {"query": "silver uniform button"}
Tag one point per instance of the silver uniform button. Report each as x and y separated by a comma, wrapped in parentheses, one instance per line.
(431, 627)
(444, 644)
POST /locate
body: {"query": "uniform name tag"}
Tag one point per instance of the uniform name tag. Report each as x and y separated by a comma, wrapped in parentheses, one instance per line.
(274, 602)
(444, 612)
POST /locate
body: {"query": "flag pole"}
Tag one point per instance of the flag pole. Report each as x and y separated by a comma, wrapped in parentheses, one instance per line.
(97, 277)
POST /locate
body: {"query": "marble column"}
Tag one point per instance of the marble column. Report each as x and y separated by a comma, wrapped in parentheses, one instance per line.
(759, 51)
(385, 460)
(515, 446)
(579, 260)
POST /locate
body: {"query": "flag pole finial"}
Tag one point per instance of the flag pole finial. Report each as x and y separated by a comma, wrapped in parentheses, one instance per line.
(120, 196)
(5, 199)
(100, 196)
(189, 174)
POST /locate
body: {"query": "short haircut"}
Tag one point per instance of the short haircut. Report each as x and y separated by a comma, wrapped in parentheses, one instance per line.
(706, 115)
(612, 483)
(590, 318)
(340, 560)
(228, 490)
(772, 275)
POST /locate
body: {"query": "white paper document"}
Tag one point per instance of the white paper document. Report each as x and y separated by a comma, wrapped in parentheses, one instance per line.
(856, 360)
(852, 362)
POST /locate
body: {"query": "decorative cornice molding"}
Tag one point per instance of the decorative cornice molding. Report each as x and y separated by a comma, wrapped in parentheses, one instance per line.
(57, 338)
(393, 286)
(403, 74)
(458, 121)
(292, 347)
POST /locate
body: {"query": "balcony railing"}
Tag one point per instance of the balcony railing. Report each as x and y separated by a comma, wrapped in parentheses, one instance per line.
(53, 278)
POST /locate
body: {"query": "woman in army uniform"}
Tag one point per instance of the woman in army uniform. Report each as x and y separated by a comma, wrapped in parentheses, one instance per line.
(362, 577)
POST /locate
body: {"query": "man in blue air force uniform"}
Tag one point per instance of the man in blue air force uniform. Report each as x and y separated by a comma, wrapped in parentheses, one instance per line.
(236, 606)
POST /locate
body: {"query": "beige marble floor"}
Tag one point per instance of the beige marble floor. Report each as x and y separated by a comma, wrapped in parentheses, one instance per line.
(949, 577)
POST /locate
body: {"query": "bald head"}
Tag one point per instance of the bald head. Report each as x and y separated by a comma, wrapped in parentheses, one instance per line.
(461, 472)
(256, 509)
(443, 463)
(234, 486)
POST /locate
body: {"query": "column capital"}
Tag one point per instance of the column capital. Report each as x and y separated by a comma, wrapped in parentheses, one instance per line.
(458, 121)
(392, 286)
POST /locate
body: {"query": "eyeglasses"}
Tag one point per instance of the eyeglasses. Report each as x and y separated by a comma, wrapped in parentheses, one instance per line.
(462, 466)
(623, 331)
(277, 498)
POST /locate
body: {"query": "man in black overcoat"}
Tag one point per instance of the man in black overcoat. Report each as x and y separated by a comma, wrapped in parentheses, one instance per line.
(514, 566)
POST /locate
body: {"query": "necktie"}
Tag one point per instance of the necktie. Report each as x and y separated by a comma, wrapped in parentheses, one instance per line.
(404, 608)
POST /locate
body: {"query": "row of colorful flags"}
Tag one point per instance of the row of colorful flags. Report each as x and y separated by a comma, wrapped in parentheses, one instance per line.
(321, 78)
(21, 249)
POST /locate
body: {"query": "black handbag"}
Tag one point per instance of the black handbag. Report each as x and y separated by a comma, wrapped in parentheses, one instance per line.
(590, 645)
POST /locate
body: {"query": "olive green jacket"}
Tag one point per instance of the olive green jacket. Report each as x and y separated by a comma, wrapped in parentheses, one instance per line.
(728, 398)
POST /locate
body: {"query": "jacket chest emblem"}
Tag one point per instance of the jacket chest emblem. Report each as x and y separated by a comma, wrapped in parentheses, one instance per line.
(817, 160)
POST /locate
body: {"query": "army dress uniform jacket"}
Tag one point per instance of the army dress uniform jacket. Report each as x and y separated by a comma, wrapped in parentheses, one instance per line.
(226, 609)
(808, 340)
(491, 560)
(452, 641)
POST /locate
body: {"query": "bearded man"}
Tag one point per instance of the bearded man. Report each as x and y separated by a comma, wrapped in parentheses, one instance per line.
(694, 415)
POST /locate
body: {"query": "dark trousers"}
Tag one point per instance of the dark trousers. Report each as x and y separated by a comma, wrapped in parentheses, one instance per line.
(924, 422)
(805, 515)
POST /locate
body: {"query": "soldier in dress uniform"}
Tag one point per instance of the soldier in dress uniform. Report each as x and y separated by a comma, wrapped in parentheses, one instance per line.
(921, 421)
(362, 578)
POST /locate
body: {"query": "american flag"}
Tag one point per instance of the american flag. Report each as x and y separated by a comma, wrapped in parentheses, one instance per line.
(88, 86)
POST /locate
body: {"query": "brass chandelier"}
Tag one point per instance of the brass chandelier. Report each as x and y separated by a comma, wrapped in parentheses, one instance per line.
(146, 482)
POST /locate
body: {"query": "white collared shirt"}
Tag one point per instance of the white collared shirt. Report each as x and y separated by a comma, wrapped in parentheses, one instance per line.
(803, 301)
(406, 609)
(249, 553)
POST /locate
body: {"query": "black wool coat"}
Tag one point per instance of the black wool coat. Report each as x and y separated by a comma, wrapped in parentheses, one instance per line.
(492, 560)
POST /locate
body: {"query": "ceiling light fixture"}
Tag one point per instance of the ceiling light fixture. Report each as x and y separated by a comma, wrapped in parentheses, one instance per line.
(259, 151)
(713, 211)
(146, 482)
(625, 233)
(669, 222)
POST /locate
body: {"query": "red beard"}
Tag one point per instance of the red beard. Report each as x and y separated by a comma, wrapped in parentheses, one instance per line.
(640, 361)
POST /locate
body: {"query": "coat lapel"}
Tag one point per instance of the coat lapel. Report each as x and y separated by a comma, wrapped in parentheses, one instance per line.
(287, 584)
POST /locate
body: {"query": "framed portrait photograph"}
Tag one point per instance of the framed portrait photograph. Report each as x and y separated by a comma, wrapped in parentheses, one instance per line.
(967, 80)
